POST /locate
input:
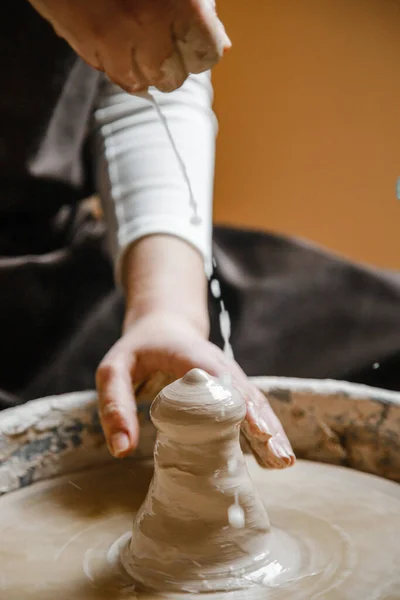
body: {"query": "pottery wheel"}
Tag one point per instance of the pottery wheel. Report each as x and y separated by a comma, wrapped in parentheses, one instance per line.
(61, 538)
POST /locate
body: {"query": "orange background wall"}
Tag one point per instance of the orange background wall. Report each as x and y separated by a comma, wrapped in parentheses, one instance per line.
(308, 102)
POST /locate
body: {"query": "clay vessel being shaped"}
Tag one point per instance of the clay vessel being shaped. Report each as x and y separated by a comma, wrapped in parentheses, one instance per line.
(202, 526)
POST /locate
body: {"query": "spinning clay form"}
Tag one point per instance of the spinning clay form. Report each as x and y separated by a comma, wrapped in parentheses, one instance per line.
(202, 526)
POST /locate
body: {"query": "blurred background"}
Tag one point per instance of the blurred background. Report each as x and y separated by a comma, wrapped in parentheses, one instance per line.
(308, 102)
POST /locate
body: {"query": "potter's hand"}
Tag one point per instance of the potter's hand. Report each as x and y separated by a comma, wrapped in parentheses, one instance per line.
(170, 343)
(166, 329)
(139, 43)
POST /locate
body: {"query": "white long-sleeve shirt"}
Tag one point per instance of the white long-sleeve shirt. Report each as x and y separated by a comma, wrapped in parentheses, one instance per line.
(139, 178)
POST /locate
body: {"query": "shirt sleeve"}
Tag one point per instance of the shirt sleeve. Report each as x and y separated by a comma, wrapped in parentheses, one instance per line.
(139, 178)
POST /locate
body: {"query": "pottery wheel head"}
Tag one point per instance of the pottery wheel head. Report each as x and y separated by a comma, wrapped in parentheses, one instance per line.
(197, 407)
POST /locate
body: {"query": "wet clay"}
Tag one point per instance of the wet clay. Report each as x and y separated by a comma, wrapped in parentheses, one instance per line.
(61, 539)
(202, 526)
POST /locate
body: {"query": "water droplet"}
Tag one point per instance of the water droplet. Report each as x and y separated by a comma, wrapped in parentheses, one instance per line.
(215, 288)
(195, 220)
(236, 516)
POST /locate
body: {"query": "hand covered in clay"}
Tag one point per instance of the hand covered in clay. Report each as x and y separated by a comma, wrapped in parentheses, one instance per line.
(170, 344)
(141, 43)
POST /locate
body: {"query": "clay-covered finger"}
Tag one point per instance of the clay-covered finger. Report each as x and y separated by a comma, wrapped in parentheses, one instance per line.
(202, 41)
(265, 433)
(116, 53)
(157, 57)
(261, 427)
(173, 73)
(117, 406)
(129, 78)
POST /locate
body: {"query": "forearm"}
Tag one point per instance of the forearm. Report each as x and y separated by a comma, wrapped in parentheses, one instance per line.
(164, 274)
